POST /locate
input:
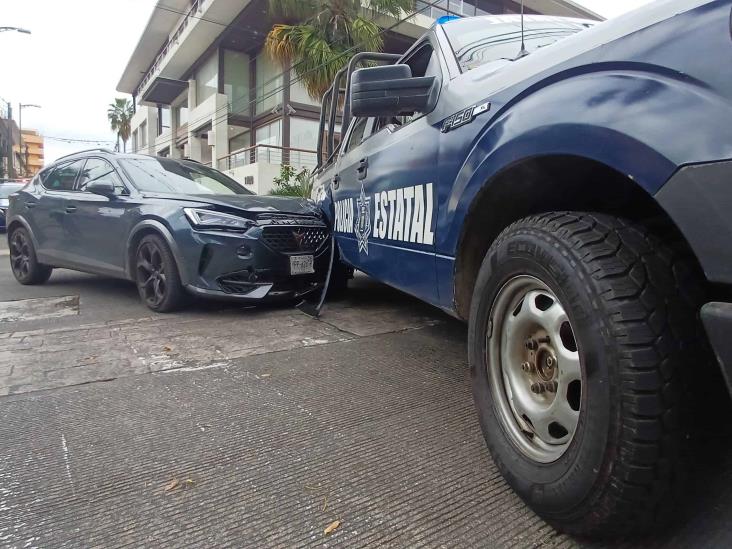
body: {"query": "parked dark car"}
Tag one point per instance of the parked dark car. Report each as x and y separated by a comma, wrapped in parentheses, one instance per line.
(6, 189)
(175, 227)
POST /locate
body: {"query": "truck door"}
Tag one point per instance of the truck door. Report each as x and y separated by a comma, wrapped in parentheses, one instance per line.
(384, 193)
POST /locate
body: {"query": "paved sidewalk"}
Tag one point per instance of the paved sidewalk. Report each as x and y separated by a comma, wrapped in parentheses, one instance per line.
(265, 426)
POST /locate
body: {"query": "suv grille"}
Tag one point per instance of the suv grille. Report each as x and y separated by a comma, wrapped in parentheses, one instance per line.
(294, 239)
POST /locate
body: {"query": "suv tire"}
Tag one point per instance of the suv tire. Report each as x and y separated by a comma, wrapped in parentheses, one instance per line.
(23, 261)
(613, 463)
(157, 276)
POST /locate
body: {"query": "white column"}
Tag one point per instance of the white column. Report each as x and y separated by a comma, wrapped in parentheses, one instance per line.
(194, 143)
(220, 127)
(174, 151)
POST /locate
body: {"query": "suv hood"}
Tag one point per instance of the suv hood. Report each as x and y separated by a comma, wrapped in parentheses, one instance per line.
(250, 203)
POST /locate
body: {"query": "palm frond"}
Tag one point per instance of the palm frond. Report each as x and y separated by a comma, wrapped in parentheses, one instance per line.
(393, 8)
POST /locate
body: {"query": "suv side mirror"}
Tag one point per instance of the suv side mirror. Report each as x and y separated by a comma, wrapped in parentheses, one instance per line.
(104, 188)
(391, 91)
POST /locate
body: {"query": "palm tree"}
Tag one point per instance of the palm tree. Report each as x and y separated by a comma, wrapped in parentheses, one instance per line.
(120, 116)
(320, 36)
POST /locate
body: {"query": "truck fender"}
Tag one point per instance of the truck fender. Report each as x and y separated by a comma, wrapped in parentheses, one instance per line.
(578, 116)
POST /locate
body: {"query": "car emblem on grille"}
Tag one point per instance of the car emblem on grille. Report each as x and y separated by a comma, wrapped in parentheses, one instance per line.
(299, 238)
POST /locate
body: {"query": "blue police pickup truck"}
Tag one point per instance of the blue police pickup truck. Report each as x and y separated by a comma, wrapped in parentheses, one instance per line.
(567, 191)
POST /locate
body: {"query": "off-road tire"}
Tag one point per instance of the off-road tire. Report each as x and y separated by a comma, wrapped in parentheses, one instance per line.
(26, 269)
(174, 295)
(631, 301)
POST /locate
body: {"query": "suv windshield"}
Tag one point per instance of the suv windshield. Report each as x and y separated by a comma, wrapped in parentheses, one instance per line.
(164, 175)
(477, 41)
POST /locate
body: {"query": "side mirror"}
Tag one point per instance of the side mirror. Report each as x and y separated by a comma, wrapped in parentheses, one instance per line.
(391, 91)
(104, 188)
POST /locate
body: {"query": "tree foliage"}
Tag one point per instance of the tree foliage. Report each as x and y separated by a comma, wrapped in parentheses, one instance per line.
(319, 36)
(290, 182)
(120, 115)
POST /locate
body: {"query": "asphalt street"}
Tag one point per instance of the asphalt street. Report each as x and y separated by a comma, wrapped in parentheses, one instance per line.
(230, 426)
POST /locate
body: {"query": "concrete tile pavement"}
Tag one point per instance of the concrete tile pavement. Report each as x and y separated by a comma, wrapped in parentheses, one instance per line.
(282, 424)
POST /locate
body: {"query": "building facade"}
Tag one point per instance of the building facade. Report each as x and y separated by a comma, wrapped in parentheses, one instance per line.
(204, 89)
(28, 153)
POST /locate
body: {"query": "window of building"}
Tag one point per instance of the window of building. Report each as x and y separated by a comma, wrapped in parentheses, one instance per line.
(239, 138)
(303, 135)
(271, 135)
(269, 84)
(163, 120)
(236, 81)
(143, 135)
(97, 169)
(134, 141)
(298, 93)
(207, 78)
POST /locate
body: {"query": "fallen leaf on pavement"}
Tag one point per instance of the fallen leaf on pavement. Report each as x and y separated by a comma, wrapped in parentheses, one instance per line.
(167, 349)
(189, 482)
(325, 503)
(264, 375)
(172, 485)
(331, 527)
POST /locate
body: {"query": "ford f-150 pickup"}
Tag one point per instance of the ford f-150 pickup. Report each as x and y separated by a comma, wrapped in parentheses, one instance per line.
(566, 189)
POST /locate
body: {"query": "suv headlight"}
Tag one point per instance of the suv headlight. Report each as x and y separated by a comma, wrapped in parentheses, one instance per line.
(208, 219)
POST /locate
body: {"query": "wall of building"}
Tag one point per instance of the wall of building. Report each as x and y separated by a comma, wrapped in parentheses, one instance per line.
(29, 153)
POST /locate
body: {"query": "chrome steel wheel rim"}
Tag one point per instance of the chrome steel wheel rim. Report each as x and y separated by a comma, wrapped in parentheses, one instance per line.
(20, 254)
(151, 276)
(534, 368)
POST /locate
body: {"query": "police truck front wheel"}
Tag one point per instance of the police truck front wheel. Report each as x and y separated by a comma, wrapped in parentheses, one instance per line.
(579, 330)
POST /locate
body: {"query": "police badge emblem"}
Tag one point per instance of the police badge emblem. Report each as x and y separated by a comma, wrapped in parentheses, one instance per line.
(363, 221)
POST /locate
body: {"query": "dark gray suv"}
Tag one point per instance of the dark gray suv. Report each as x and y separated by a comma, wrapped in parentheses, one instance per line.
(172, 226)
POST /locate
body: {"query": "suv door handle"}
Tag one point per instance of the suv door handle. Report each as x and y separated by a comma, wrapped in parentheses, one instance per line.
(70, 209)
(30, 205)
(363, 168)
(336, 181)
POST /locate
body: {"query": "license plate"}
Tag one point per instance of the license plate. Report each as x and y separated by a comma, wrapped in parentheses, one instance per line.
(302, 264)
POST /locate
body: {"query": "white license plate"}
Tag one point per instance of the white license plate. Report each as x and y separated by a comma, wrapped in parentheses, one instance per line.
(302, 264)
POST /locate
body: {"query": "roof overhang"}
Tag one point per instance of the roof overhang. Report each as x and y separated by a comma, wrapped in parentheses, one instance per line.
(163, 91)
(564, 8)
(154, 36)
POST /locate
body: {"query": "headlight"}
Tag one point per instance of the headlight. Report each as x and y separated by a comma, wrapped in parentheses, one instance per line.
(208, 219)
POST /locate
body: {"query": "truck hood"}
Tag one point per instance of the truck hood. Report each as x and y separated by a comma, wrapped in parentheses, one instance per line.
(250, 203)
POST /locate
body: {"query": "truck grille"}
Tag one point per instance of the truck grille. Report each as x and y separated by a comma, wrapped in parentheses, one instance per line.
(294, 239)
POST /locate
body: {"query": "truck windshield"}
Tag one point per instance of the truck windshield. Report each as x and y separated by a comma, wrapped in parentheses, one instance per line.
(477, 41)
(162, 175)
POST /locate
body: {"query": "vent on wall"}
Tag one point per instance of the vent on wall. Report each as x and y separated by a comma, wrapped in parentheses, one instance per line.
(249, 180)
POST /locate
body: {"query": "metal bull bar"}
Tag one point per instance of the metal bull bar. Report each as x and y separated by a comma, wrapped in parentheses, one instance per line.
(329, 104)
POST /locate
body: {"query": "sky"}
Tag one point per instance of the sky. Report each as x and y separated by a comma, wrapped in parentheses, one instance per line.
(74, 58)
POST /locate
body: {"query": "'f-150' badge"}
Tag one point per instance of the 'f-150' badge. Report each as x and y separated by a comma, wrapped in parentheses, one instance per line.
(464, 117)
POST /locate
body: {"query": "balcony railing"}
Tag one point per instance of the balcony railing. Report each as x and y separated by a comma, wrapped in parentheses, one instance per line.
(271, 154)
(172, 41)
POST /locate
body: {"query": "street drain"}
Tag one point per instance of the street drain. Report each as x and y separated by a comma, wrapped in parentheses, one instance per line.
(39, 308)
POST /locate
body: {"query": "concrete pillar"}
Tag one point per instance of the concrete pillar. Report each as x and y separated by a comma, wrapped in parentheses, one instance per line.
(194, 147)
(174, 150)
(194, 143)
(220, 127)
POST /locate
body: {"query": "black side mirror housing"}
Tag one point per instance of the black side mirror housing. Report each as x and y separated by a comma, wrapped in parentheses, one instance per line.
(104, 188)
(392, 91)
